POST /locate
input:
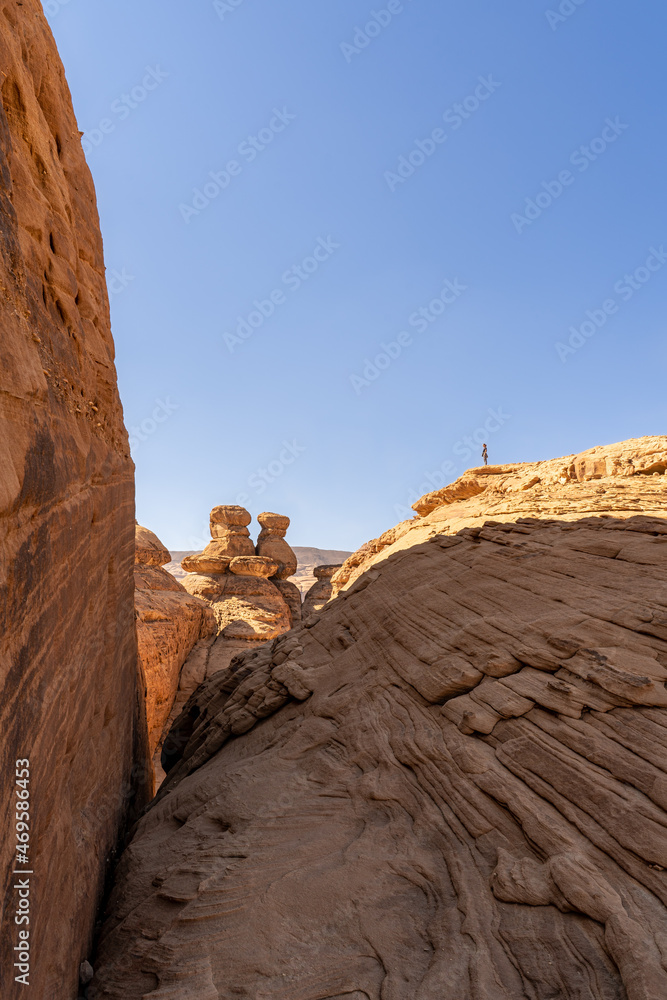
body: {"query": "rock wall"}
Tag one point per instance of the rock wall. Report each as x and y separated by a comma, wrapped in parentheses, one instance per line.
(69, 686)
(450, 784)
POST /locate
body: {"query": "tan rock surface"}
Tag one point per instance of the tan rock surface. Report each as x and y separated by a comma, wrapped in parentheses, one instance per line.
(261, 566)
(271, 543)
(452, 784)
(322, 590)
(292, 597)
(622, 479)
(169, 622)
(69, 685)
(148, 549)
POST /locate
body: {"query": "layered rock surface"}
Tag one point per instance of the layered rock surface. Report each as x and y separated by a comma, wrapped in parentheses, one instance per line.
(451, 784)
(169, 623)
(621, 479)
(69, 685)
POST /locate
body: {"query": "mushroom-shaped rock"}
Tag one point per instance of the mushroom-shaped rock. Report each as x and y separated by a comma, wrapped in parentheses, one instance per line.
(214, 559)
(230, 516)
(271, 543)
(229, 528)
(321, 591)
(148, 549)
(253, 566)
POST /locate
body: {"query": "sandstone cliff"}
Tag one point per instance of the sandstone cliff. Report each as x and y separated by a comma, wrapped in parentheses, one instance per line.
(69, 700)
(451, 783)
(169, 623)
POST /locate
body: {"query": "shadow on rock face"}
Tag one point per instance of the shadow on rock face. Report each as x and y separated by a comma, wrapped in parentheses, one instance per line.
(450, 782)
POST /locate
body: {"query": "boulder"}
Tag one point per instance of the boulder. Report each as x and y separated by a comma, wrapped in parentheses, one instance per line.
(260, 566)
(148, 549)
(71, 691)
(271, 543)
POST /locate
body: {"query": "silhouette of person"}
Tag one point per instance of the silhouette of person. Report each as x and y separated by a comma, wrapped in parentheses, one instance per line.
(485, 454)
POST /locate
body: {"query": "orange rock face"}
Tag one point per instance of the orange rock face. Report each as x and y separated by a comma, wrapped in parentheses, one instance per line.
(169, 622)
(451, 784)
(70, 691)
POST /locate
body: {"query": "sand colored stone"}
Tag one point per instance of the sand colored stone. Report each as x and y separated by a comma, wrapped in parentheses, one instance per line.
(321, 591)
(271, 543)
(260, 566)
(70, 688)
(234, 579)
(622, 479)
(169, 622)
(452, 783)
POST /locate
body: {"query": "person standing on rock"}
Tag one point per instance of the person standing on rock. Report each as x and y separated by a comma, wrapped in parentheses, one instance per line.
(485, 454)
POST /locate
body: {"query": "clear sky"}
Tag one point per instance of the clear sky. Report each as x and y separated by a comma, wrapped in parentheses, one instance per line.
(345, 240)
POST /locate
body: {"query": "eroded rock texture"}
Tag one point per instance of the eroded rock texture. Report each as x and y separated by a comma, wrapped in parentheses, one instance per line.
(450, 786)
(69, 697)
(169, 623)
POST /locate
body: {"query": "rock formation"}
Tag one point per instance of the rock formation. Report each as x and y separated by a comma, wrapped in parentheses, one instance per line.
(246, 587)
(620, 479)
(321, 591)
(451, 784)
(70, 688)
(169, 622)
(271, 543)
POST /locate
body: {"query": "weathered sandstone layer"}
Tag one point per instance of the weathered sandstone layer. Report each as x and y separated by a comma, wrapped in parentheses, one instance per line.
(169, 623)
(449, 785)
(621, 479)
(70, 690)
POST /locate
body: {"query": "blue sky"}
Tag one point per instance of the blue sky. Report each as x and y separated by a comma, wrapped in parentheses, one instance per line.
(345, 242)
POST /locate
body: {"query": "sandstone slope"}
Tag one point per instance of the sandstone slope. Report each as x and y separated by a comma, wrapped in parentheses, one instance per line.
(69, 685)
(623, 479)
(449, 785)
